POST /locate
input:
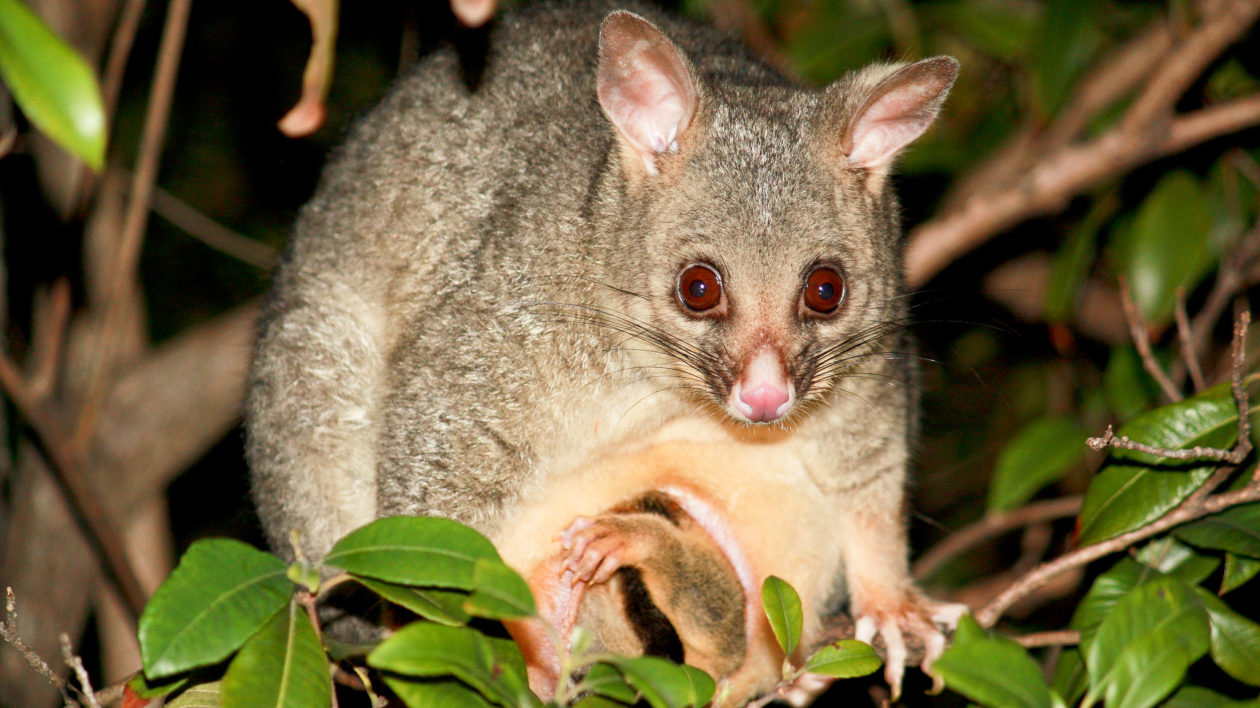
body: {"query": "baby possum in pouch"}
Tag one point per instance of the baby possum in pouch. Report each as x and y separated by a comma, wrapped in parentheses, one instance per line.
(624, 257)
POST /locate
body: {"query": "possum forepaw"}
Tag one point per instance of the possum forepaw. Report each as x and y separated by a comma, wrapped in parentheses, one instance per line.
(597, 548)
(924, 620)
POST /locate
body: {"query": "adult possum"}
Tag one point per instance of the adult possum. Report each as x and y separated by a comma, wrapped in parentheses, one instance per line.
(623, 257)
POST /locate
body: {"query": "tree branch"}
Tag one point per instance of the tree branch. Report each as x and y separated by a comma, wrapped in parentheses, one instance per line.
(990, 526)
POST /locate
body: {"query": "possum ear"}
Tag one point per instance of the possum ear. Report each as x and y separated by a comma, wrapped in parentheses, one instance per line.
(645, 86)
(884, 118)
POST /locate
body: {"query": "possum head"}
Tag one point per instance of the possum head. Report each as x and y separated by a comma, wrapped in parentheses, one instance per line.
(765, 236)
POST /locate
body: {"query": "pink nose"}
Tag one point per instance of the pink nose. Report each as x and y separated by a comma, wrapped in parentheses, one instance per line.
(762, 402)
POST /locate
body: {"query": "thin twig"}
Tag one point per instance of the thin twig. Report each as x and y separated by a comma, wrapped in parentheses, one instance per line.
(1199, 504)
(1050, 639)
(1242, 446)
(989, 526)
(122, 275)
(55, 447)
(1142, 340)
(9, 633)
(211, 232)
(76, 665)
(1188, 355)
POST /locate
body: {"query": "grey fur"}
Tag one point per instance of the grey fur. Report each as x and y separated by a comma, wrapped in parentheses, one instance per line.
(477, 280)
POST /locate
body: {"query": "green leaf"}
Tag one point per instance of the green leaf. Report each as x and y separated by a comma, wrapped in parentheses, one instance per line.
(434, 693)
(783, 609)
(1235, 640)
(1072, 263)
(1143, 648)
(499, 593)
(441, 606)
(1236, 530)
(664, 684)
(1238, 570)
(608, 682)
(149, 690)
(847, 658)
(493, 667)
(1001, 30)
(1199, 697)
(992, 671)
(1039, 454)
(1107, 590)
(413, 550)
(1065, 43)
(205, 695)
(1169, 245)
(1172, 558)
(282, 666)
(53, 85)
(222, 592)
(1128, 388)
(1070, 678)
(1128, 492)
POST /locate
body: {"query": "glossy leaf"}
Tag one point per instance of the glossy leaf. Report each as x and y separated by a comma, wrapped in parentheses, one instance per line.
(847, 658)
(1199, 697)
(1171, 557)
(148, 690)
(499, 592)
(992, 671)
(282, 666)
(783, 608)
(1235, 640)
(222, 592)
(434, 693)
(426, 650)
(205, 695)
(1107, 590)
(608, 682)
(53, 85)
(1039, 454)
(664, 684)
(1236, 530)
(413, 550)
(1238, 570)
(441, 606)
(1070, 678)
(1128, 492)
(1169, 245)
(1144, 646)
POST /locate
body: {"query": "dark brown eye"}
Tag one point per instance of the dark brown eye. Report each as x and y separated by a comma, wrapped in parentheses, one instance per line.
(699, 288)
(824, 290)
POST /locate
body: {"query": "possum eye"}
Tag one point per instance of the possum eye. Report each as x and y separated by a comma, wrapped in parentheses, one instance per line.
(823, 292)
(699, 288)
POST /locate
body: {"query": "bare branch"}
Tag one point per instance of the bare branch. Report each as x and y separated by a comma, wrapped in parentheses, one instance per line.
(1199, 504)
(1024, 189)
(1049, 639)
(989, 526)
(211, 232)
(76, 664)
(9, 633)
(1188, 355)
(126, 260)
(1142, 340)
(54, 445)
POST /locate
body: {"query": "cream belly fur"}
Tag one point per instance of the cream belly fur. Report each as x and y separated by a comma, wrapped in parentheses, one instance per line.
(747, 495)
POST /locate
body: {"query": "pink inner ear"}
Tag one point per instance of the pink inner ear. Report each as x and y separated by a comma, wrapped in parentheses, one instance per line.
(644, 85)
(895, 119)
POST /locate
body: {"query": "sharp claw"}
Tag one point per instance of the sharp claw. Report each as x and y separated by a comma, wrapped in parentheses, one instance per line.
(947, 615)
(896, 653)
(933, 647)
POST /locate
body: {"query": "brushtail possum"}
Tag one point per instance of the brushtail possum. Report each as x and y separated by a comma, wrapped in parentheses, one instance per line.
(624, 257)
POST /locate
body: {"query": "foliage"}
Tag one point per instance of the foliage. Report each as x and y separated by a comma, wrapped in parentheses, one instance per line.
(227, 600)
